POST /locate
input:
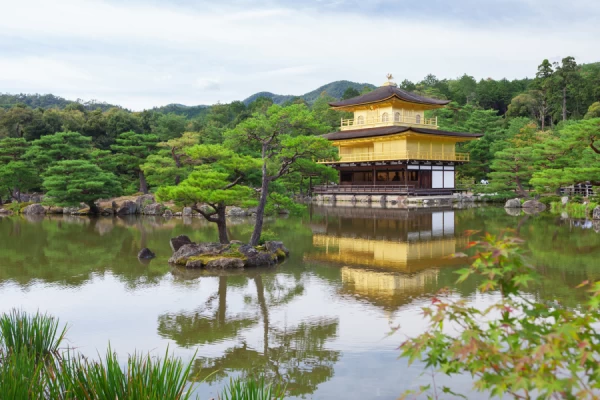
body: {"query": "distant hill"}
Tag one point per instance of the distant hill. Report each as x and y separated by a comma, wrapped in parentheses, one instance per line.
(335, 89)
(277, 98)
(48, 101)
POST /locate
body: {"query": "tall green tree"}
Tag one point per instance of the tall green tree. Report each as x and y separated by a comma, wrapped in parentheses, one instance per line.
(543, 86)
(70, 182)
(350, 93)
(169, 126)
(219, 181)
(566, 76)
(131, 150)
(282, 137)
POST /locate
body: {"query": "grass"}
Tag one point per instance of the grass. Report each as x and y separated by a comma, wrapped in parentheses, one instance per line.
(33, 366)
(39, 334)
(252, 389)
(573, 209)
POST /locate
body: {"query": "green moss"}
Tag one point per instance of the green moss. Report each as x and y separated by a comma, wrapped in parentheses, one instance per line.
(206, 258)
(175, 208)
(18, 207)
(280, 254)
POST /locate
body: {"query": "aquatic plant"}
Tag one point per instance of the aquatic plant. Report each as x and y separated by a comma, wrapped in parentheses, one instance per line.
(33, 366)
(39, 334)
(143, 377)
(573, 209)
(252, 389)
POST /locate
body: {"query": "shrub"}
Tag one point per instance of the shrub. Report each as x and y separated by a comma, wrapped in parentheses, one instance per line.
(267, 236)
(574, 210)
(517, 346)
(549, 199)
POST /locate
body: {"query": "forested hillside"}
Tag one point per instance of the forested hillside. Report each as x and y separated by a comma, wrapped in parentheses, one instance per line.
(539, 133)
(47, 101)
(334, 89)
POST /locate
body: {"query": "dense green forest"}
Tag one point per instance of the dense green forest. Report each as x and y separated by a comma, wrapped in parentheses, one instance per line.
(539, 134)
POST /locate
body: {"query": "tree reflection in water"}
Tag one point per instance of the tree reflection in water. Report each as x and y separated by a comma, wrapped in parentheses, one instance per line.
(296, 356)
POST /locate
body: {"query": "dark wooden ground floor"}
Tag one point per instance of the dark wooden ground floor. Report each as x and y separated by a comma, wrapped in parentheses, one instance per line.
(399, 178)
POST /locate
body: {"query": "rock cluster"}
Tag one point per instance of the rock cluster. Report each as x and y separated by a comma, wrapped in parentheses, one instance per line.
(513, 203)
(530, 206)
(146, 254)
(225, 256)
(142, 205)
(596, 213)
(534, 205)
(34, 209)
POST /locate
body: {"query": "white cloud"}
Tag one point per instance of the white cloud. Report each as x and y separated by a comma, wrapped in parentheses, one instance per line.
(148, 55)
(208, 84)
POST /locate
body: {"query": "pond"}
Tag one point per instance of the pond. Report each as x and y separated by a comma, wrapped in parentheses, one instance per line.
(321, 322)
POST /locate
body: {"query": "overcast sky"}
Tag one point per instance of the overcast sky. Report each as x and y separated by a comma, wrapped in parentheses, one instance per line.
(141, 54)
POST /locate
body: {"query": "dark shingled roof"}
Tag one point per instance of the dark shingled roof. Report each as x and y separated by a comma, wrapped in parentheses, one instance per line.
(387, 92)
(392, 130)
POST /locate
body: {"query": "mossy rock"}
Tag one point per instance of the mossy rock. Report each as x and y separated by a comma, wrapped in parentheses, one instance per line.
(280, 254)
(22, 206)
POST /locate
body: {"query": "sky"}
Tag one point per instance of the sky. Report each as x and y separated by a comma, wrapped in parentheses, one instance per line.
(142, 54)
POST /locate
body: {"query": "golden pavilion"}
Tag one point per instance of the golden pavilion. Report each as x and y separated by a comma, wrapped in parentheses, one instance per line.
(389, 146)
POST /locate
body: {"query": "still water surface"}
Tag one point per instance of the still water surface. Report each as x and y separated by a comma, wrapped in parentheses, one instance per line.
(320, 322)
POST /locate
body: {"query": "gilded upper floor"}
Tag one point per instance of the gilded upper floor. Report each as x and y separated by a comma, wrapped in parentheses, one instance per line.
(398, 143)
(388, 105)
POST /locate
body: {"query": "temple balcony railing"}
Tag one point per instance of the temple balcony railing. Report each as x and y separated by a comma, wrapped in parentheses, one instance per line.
(388, 120)
(399, 155)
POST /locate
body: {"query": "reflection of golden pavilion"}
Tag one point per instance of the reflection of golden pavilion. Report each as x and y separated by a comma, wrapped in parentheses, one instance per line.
(387, 256)
(396, 240)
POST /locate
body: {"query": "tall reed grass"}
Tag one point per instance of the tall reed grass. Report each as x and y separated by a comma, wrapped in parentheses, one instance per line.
(38, 333)
(252, 389)
(34, 366)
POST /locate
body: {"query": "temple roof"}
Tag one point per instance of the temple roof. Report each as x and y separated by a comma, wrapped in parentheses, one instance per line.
(388, 92)
(392, 130)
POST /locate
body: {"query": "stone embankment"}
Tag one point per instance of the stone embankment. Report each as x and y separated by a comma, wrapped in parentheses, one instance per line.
(234, 255)
(122, 206)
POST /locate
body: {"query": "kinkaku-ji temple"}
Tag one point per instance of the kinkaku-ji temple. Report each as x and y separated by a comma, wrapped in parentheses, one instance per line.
(390, 148)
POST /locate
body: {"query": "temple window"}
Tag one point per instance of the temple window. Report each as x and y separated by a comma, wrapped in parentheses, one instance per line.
(385, 117)
(397, 116)
(360, 120)
(418, 119)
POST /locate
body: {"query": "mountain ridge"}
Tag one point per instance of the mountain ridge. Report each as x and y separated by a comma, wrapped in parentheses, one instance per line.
(335, 89)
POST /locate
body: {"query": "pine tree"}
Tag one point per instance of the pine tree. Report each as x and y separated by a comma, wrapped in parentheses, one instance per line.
(131, 150)
(218, 181)
(282, 137)
(70, 182)
(16, 174)
(50, 149)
